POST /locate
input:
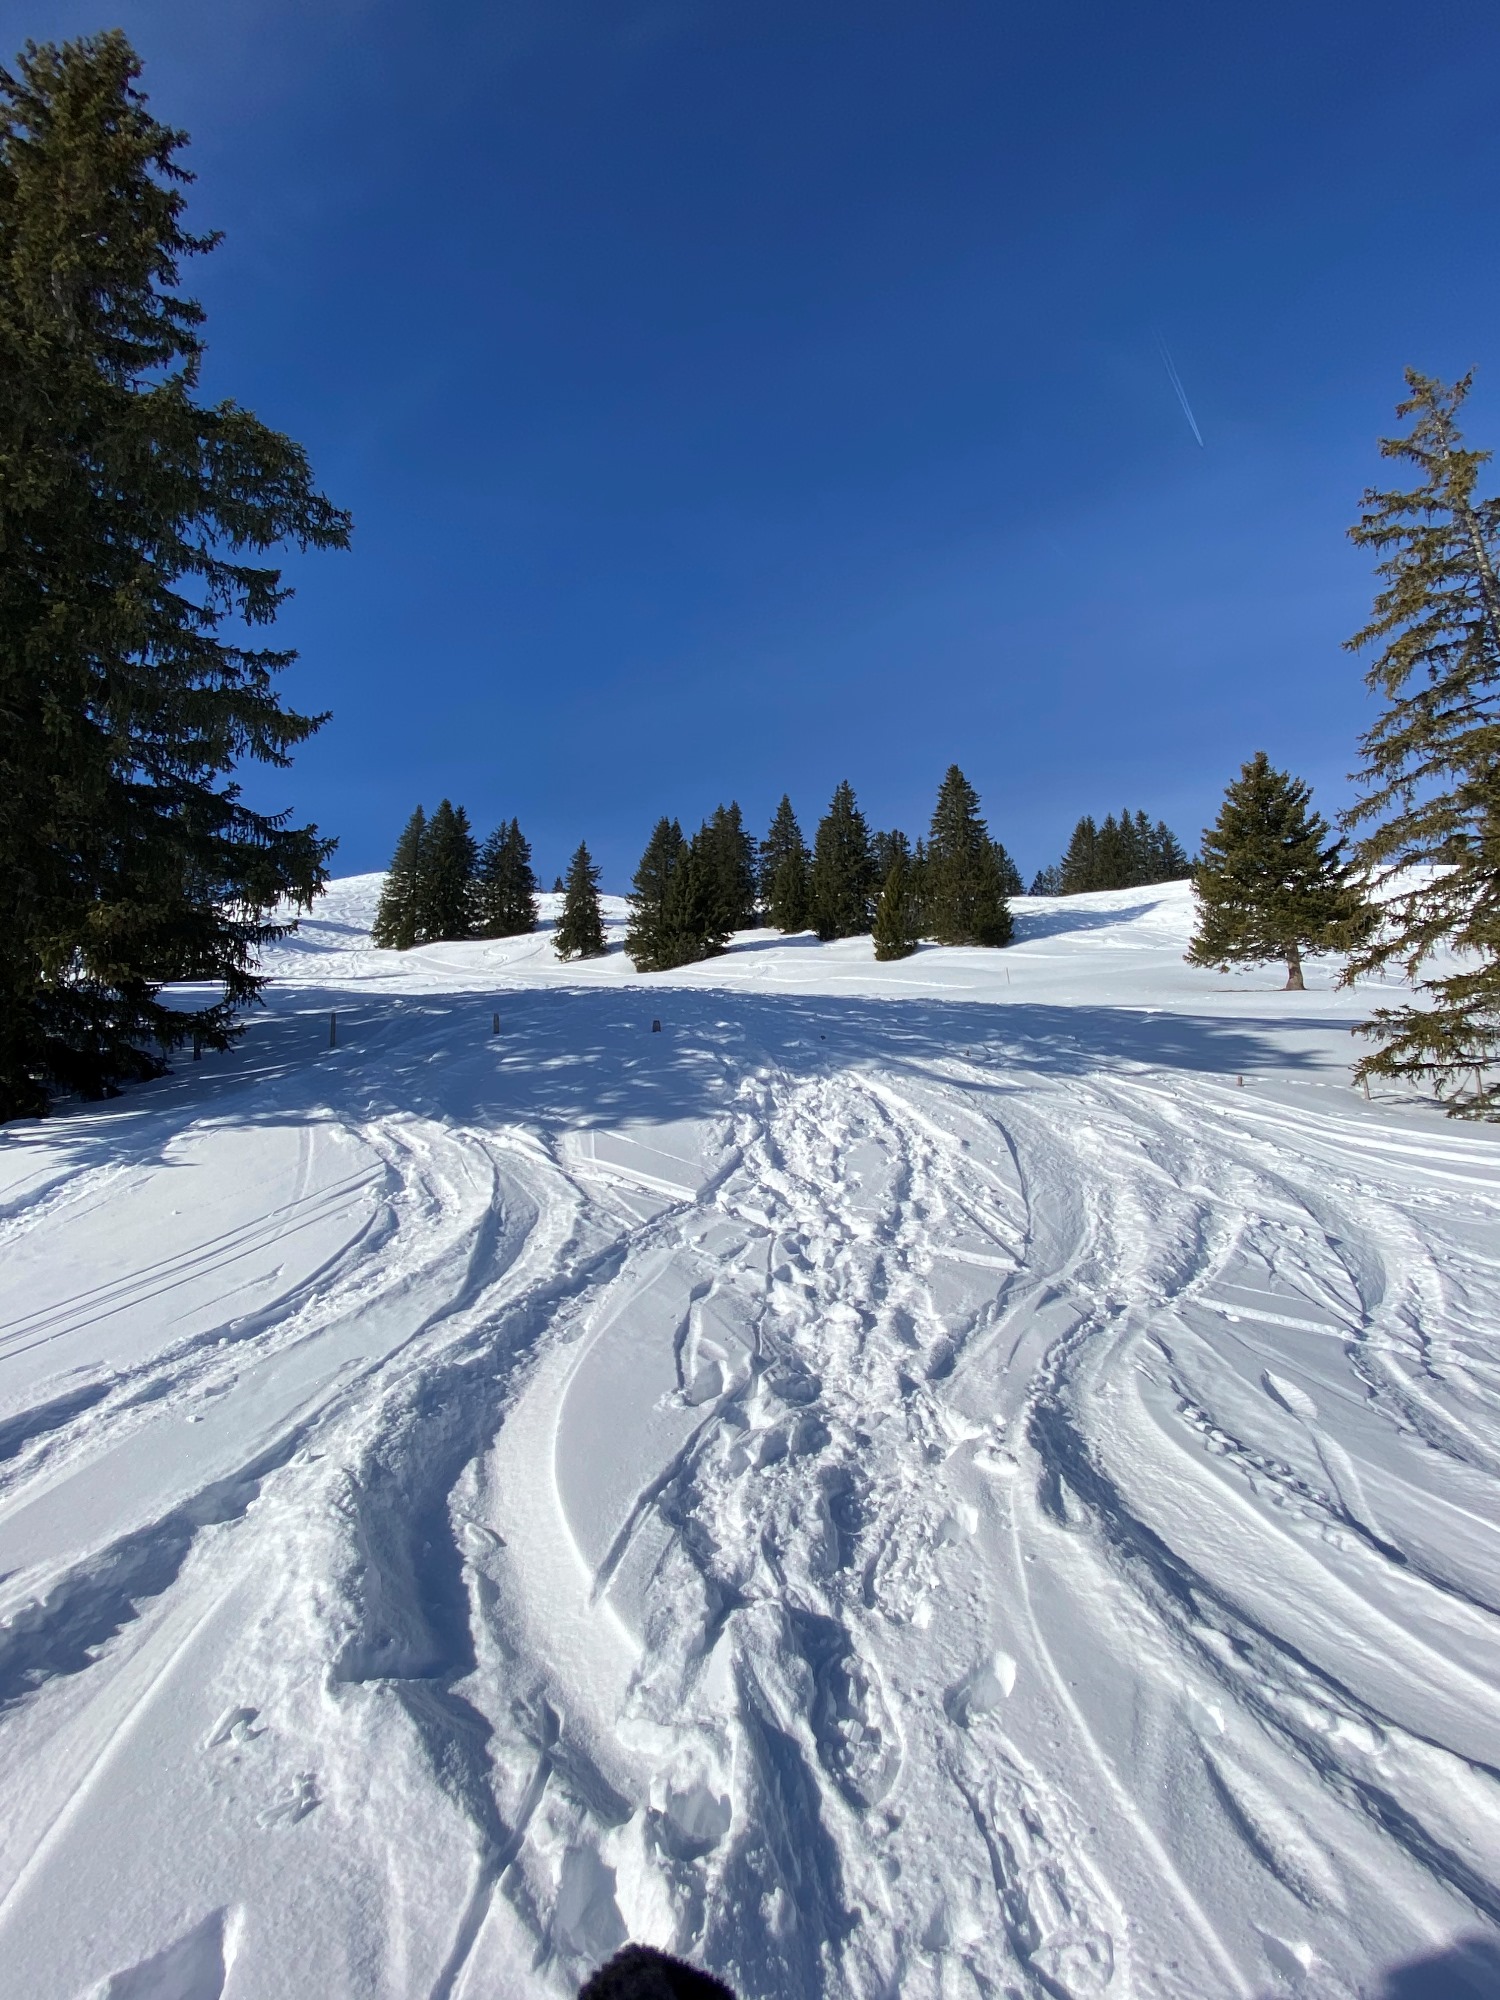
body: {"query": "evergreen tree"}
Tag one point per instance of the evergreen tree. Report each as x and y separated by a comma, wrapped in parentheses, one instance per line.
(727, 856)
(885, 850)
(1047, 881)
(1009, 874)
(1270, 884)
(1116, 862)
(789, 906)
(895, 930)
(133, 520)
(963, 899)
(559, 886)
(445, 877)
(1430, 779)
(397, 914)
(1077, 869)
(504, 885)
(695, 918)
(648, 934)
(916, 887)
(1169, 862)
(1142, 853)
(841, 881)
(783, 871)
(580, 929)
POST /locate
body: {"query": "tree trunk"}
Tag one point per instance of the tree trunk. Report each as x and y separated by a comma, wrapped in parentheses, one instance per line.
(1294, 972)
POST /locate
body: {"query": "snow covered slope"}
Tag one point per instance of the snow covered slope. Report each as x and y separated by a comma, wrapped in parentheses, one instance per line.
(970, 1476)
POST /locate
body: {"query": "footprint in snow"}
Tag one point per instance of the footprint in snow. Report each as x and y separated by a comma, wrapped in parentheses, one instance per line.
(298, 1803)
(235, 1725)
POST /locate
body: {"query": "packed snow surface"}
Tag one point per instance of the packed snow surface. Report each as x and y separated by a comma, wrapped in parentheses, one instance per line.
(974, 1476)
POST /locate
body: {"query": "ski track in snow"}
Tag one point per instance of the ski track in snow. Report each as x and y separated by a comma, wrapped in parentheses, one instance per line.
(947, 1498)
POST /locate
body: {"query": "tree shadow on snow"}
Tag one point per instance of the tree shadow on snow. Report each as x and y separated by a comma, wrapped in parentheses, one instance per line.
(569, 1058)
(1466, 1970)
(1031, 925)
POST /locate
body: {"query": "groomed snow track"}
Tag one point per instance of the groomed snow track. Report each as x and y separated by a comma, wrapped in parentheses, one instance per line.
(926, 1486)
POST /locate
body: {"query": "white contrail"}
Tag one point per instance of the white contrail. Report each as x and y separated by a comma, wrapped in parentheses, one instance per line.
(1176, 381)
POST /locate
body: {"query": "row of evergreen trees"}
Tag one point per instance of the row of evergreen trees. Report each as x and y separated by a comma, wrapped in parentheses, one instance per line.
(1124, 853)
(688, 895)
(442, 885)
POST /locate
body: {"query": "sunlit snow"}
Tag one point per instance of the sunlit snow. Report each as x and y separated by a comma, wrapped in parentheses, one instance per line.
(972, 1476)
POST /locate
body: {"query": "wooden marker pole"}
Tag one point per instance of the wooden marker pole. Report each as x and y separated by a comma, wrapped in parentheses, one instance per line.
(333, 1031)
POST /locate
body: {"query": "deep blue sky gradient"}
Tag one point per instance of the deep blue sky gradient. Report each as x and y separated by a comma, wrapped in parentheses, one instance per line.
(735, 398)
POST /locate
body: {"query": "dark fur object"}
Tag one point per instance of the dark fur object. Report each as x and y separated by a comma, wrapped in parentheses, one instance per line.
(639, 1973)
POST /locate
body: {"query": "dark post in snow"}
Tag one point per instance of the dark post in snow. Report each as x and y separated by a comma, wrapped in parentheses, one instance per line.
(656, 1027)
(333, 1031)
(495, 1023)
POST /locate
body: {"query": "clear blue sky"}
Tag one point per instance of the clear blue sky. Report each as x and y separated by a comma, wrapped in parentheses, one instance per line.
(735, 398)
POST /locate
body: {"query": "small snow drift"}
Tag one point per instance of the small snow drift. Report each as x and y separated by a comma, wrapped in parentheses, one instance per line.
(194, 1968)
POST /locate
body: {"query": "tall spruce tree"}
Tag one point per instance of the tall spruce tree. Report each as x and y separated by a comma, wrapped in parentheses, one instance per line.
(963, 902)
(727, 855)
(133, 521)
(1430, 780)
(647, 935)
(445, 877)
(885, 850)
(895, 927)
(1115, 858)
(398, 913)
(917, 885)
(580, 928)
(1271, 885)
(696, 924)
(790, 904)
(1047, 881)
(505, 886)
(1009, 874)
(1077, 868)
(841, 882)
(783, 870)
(1169, 862)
